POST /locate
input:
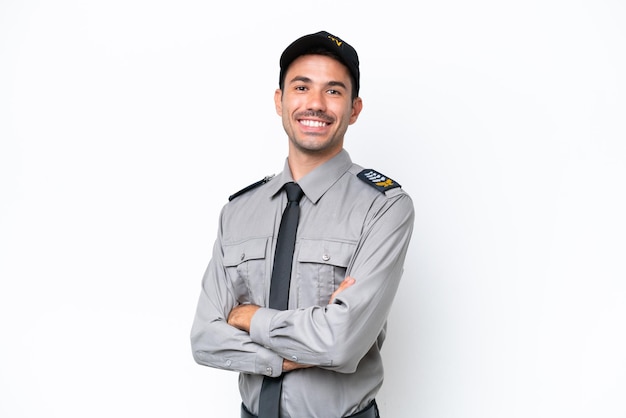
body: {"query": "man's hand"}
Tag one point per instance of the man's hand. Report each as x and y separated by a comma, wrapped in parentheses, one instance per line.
(289, 365)
(241, 316)
(347, 282)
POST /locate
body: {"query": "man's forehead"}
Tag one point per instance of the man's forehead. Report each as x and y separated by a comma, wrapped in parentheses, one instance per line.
(315, 66)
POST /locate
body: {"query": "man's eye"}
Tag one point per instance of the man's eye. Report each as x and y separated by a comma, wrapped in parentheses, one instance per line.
(300, 88)
(331, 91)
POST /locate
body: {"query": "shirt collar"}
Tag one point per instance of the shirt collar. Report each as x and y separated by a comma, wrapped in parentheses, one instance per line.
(318, 181)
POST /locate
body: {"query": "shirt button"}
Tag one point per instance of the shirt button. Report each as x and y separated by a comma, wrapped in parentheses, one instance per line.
(228, 363)
(243, 255)
(268, 371)
(325, 257)
(294, 358)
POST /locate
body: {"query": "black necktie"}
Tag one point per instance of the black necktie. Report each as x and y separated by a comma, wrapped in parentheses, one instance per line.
(269, 403)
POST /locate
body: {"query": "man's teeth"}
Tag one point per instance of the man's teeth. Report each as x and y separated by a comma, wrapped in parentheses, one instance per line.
(313, 123)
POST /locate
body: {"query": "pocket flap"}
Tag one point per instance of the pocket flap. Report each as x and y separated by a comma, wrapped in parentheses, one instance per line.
(252, 249)
(335, 253)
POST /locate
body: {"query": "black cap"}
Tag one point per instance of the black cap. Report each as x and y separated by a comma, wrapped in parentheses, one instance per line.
(324, 40)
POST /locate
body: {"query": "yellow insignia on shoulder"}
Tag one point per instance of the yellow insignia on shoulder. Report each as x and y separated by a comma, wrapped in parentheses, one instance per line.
(378, 181)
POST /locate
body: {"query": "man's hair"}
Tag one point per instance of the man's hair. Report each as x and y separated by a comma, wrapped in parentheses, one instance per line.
(325, 52)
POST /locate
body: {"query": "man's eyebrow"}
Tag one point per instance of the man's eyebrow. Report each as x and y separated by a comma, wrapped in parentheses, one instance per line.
(303, 79)
(337, 84)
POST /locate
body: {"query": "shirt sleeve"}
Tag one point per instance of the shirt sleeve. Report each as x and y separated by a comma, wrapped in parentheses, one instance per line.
(338, 335)
(214, 342)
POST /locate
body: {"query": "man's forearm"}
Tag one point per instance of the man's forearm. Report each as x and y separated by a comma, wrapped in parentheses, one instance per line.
(241, 316)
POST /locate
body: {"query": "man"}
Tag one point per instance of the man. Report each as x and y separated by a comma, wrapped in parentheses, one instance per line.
(321, 351)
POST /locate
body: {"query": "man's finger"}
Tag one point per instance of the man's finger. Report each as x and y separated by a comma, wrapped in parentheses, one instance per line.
(346, 283)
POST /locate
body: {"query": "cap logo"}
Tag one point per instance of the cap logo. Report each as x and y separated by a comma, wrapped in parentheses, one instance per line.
(335, 40)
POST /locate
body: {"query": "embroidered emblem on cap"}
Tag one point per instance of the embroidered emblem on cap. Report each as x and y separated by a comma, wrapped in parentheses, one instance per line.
(335, 39)
(378, 181)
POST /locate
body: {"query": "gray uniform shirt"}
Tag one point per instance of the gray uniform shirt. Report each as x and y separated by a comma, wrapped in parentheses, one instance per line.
(346, 228)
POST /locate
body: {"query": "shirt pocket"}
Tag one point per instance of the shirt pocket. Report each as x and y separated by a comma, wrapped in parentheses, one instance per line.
(321, 268)
(246, 267)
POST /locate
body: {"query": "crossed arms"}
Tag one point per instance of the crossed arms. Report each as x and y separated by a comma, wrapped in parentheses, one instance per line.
(233, 333)
(240, 317)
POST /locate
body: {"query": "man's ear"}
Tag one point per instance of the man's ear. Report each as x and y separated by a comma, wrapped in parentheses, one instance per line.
(357, 106)
(278, 97)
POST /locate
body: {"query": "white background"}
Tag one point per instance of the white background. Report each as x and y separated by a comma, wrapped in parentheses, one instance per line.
(125, 125)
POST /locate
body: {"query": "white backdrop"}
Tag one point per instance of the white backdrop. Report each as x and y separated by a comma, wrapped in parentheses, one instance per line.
(125, 124)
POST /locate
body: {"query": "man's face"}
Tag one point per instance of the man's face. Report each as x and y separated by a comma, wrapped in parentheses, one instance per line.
(316, 105)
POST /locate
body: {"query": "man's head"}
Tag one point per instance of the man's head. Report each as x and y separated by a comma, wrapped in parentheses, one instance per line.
(318, 95)
(322, 43)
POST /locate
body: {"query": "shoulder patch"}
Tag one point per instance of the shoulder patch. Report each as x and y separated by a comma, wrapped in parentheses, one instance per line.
(250, 187)
(378, 181)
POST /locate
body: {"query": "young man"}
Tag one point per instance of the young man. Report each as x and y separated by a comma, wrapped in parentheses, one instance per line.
(318, 354)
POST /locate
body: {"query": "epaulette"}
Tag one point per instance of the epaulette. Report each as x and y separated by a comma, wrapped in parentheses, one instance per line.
(378, 181)
(250, 187)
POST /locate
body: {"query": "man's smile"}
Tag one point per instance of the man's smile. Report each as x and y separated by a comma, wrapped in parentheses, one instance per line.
(313, 123)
